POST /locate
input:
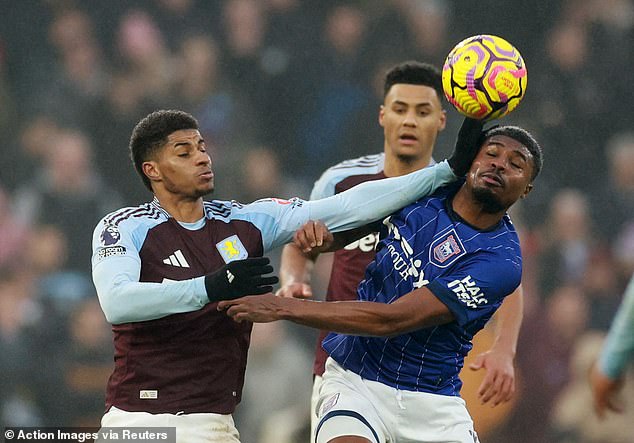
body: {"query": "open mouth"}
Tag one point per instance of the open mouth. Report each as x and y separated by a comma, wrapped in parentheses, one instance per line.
(493, 179)
(408, 139)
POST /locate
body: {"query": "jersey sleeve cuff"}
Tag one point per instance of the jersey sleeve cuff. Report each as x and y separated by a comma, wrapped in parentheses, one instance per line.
(449, 299)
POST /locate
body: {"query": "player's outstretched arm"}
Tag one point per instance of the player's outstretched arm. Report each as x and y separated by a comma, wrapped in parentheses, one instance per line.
(498, 385)
(125, 299)
(418, 309)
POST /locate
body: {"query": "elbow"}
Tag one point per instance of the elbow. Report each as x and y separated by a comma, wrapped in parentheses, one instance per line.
(113, 313)
(112, 316)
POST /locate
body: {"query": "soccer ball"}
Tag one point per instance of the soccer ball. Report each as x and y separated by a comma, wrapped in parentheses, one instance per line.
(484, 77)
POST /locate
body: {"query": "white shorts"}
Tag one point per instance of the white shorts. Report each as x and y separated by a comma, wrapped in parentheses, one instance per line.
(190, 428)
(350, 405)
(314, 401)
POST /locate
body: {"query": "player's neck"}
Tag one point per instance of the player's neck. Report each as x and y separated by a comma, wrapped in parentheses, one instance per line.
(396, 166)
(473, 212)
(186, 210)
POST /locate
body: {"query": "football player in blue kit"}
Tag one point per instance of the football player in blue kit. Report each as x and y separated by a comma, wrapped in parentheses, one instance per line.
(442, 267)
(161, 268)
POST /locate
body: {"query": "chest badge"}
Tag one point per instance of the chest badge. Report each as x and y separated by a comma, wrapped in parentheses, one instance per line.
(446, 249)
(231, 248)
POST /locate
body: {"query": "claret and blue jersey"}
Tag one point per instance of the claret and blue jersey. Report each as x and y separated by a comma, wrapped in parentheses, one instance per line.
(469, 270)
(174, 351)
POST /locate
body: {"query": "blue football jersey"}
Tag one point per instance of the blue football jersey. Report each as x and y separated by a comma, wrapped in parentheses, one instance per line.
(469, 270)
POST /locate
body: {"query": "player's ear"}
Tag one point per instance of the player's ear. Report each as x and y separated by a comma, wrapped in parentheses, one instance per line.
(151, 170)
(443, 120)
(381, 114)
(527, 190)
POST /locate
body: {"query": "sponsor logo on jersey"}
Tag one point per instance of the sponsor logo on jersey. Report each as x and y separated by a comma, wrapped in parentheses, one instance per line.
(148, 394)
(177, 259)
(295, 202)
(403, 260)
(110, 235)
(231, 248)
(468, 292)
(329, 404)
(365, 244)
(446, 249)
(279, 201)
(110, 251)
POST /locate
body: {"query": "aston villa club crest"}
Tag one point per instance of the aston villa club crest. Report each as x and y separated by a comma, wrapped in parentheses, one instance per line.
(110, 235)
(231, 248)
(446, 249)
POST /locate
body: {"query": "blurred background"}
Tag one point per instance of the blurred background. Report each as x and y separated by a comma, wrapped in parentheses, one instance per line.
(282, 90)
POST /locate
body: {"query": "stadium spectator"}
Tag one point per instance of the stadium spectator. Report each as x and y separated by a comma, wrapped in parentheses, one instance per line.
(567, 243)
(66, 193)
(13, 234)
(573, 416)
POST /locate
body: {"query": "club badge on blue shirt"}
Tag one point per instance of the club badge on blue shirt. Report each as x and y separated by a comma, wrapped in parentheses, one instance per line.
(231, 248)
(446, 249)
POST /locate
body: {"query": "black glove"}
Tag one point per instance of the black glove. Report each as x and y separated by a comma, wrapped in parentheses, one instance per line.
(467, 146)
(239, 278)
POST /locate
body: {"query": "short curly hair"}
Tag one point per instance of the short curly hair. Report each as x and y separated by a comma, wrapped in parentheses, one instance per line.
(414, 73)
(151, 133)
(525, 138)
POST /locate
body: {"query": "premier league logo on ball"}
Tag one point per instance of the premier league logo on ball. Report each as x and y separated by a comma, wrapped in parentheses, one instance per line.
(110, 235)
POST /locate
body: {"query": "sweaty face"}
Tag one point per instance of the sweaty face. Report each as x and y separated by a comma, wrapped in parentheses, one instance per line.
(183, 166)
(500, 173)
(411, 117)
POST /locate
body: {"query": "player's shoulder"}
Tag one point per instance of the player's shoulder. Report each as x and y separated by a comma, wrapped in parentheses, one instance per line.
(228, 210)
(508, 229)
(436, 201)
(365, 165)
(219, 209)
(129, 217)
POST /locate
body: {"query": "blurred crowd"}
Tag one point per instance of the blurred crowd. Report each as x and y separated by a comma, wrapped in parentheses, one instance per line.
(282, 90)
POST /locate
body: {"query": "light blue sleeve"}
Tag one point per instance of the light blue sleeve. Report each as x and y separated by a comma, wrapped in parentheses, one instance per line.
(116, 268)
(278, 219)
(618, 349)
(373, 200)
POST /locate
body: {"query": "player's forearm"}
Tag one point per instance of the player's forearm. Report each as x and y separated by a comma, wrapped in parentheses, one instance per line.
(355, 317)
(124, 299)
(509, 321)
(295, 266)
(618, 349)
(373, 200)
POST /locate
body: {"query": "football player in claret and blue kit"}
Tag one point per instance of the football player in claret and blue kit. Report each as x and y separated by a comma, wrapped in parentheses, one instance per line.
(161, 268)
